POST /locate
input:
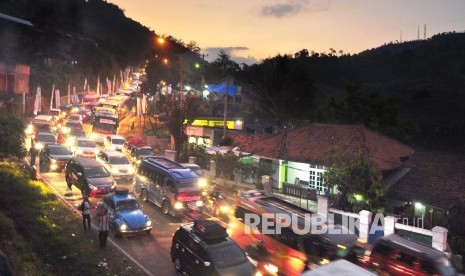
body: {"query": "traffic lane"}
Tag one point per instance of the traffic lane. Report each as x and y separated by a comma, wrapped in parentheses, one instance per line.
(151, 251)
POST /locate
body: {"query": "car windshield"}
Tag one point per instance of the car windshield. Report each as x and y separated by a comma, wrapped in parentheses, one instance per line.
(77, 133)
(187, 184)
(226, 255)
(46, 138)
(118, 141)
(145, 151)
(74, 117)
(73, 124)
(42, 127)
(86, 144)
(59, 151)
(118, 160)
(127, 205)
(96, 172)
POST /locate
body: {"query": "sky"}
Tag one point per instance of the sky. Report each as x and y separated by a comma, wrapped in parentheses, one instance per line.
(252, 30)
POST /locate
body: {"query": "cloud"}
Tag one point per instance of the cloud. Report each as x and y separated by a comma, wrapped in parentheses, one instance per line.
(212, 54)
(291, 7)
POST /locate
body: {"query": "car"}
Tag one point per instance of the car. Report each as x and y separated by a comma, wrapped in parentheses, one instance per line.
(89, 176)
(54, 157)
(198, 171)
(85, 114)
(114, 142)
(394, 255)
(75, 117)
(42, 139)
(85, 147)
(117, 164)
(140, 153)
(73, 135)
(203, 247)
(69, 125)
(126, 217)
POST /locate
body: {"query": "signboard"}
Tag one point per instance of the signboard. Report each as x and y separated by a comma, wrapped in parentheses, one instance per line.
(230, 124)
(107, 121)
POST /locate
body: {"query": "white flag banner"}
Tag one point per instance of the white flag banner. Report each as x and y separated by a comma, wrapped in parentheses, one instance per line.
(139, 107)
(85, 84)
(37, 101)
(57, 98)
(69, 92)
(108, 86)
(113, 85)
(51, 97)
(144, 104)
(98, 86)
(74, 97)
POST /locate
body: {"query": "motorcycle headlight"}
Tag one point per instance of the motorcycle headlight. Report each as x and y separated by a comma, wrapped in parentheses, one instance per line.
(70, 141)
(199, 203)
(148, 223)
(271, 268)
(123, 227)
(39, 146)
(178, 205)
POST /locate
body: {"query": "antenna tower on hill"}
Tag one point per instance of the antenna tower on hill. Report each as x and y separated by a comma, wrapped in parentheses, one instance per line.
(424, 33)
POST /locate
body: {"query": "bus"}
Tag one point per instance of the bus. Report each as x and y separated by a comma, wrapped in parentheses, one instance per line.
(289, 252)
(103, 125)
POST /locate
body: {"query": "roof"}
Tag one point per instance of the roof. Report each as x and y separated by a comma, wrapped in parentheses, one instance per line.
(317, 143)
(87, 162)
(413, 247)
(435, 178)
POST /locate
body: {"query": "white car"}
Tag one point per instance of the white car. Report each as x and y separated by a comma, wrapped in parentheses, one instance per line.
(114, 142)
(117, 164)
(85, 147)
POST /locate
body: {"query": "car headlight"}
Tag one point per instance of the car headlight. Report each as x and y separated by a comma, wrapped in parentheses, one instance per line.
(199, 203)
(114, 170)
(112, 147)
(123, 227)
(148, 223)
(66, 130)
(202, 183)
(271, 268)
(178, 205)
(54, 128)
(53, 161)
(93, 136)
(29, 130)
(224, 209)
(39, 146)
(258, 273)
(79, 151)
(70, 141)
(131, 170)
(138, 161)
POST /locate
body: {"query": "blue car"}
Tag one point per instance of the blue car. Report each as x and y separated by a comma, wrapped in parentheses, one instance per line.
(126, 218)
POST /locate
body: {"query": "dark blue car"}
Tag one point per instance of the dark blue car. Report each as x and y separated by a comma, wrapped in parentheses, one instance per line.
(126, 218)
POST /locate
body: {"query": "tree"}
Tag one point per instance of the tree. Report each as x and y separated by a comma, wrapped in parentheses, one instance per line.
(12, 137)
(359, 184)
(455, 226)
(197, 151)
(281, 87)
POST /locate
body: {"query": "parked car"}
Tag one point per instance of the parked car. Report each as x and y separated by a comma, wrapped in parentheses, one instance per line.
(203, 247)
(394, 255)
(85, 147)
(89, 176)
(117, 164)
(114, 142)
(54, 157)
(126, 218)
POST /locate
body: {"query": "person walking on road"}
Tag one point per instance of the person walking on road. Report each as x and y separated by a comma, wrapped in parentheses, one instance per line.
(85, 210)
(103, 218)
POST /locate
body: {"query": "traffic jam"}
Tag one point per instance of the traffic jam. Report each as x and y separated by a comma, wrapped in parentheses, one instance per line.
(163, 212)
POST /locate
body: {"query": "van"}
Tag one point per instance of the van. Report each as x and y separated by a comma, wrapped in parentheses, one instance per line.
(394, 255)
(168, 185)
(89, 176)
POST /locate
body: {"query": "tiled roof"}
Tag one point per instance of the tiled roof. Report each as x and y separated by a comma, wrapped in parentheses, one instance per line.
(246, 140)
(317, 143)
(435, 178)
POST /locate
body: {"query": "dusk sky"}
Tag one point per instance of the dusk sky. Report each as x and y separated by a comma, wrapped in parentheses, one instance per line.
(250, 30)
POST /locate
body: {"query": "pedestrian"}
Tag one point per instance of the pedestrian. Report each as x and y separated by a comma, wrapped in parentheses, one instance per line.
(103, 218)
(85, 210)
(33, 152)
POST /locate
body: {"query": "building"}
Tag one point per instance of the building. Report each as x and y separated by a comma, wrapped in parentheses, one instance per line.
(301, 156)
